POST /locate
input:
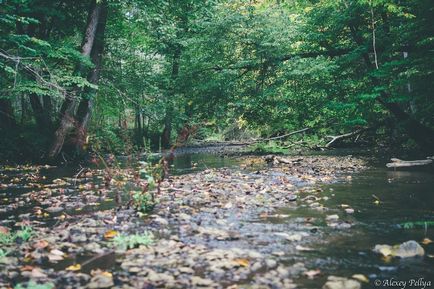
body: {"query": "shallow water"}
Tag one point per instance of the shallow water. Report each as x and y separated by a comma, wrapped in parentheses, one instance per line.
(405, 196)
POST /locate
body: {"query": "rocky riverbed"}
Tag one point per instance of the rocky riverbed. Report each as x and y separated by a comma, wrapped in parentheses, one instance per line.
(218, 228)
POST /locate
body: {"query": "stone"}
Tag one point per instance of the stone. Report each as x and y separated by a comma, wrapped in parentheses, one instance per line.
(404, 250)
(334, 282)
(270, 263)
(54, 210)
(101, 281)
(409, 249)
(332, 218)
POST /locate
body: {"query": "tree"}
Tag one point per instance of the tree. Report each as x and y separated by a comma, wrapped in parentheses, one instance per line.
(91, 47)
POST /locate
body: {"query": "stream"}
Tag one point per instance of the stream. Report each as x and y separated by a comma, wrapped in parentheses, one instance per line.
(383, 201)
(405, 196)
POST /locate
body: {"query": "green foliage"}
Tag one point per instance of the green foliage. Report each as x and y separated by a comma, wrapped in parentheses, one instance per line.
(34, 285)
(125, 242)
(110, 139)
(268, 148)
(236, 69)
(24, 234)
(3, 252)
(143, 201)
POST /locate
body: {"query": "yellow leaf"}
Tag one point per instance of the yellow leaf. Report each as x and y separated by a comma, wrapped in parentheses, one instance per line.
(107, 274)
(361, 278)
(242, 262)
(426, 241)
(75, 267)
(110, 234)
(385, 251)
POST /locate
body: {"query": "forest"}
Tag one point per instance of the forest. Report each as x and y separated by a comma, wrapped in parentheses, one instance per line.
(216, 144)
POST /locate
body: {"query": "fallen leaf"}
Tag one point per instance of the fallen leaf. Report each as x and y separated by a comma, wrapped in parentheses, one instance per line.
(242, 262)
(26, 268)
(110, 234)
(57, 252)
(4, 230)
(75, 267)
(54, 258)
(100, 272)
(361, 278)
(40, 244)
(301, 248)
(312, 273)
(38, 273)
(426, 241)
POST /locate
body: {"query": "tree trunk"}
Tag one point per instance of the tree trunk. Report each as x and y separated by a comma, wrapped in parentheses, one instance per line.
(68, 121)
(7, 119)
(41, 116)
(166, 134)
(85, 107)
(167, 131)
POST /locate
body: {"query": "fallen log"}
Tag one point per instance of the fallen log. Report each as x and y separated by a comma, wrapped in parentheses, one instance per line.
(398, 163)
(272, 159)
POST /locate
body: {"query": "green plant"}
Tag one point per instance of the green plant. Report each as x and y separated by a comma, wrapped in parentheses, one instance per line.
(24, 234)
(417, 224)
(125, 242)
(3, 253)
(34, 285)
(268, 148)
(6, 238)
(143, 201)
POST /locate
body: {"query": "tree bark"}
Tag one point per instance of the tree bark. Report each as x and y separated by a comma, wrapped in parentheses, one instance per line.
(41, 116)
(167, 131)
(85, 107)
(68, 121)
(7, 119)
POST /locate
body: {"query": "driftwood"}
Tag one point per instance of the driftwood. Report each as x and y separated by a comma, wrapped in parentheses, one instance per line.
(272, 159)
(335, 138)
(397, 163)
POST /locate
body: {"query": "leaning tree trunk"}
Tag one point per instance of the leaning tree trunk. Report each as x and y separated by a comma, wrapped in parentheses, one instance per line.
(68, 121)
(85, 107)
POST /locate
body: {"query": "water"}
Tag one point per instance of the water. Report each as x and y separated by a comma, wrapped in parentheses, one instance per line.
(405, 196)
